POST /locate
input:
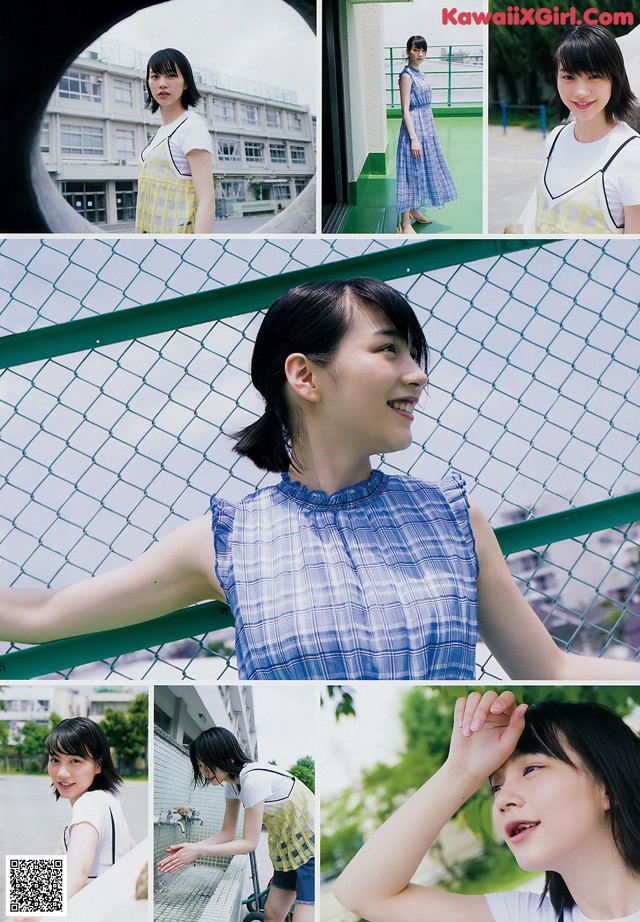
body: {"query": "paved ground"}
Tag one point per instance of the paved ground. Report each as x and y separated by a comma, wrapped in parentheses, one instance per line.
(515, 161)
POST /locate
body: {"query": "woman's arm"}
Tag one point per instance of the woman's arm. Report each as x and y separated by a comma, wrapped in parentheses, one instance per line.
(83, 842)
(216, 846)
(175, 572)
(514, 633)
(632, 219)
(201, 166)
(376, 884)
(405, 101)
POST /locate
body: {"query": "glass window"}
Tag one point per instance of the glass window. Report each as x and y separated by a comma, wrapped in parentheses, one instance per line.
(274, 118)
(254, 151)
(278, 152)
(44, 138)
(229, 149)
(125, 144)
(295, 121)
(123, 93)
(300, 185)
(81, 139)
(297, 154)
(224, 110)
(249, 115)
(87, 198)
(75, 84)
(281, 190)
(231, 189)
(126, 194)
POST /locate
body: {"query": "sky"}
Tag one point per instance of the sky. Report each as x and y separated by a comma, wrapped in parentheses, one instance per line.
(424, 17)
(262, 40)
(285, 721)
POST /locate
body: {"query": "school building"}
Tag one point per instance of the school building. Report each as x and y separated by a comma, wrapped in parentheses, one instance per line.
(96, 126)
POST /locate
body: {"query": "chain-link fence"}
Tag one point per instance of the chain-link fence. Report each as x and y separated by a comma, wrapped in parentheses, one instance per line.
(127, 361)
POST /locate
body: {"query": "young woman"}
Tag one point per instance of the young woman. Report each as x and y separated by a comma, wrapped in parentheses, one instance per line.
(591, 178)
(422, 176)
(566, 801)
(82, 772)
(271, 798)
(338, 571)
(175, 189)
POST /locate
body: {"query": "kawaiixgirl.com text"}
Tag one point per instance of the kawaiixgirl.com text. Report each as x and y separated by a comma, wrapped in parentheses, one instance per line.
(535, 16)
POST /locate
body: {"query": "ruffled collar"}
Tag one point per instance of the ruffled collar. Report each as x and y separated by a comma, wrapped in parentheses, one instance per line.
(351, 494)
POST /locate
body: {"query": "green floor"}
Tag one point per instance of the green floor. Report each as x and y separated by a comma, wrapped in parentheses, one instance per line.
(461, 140)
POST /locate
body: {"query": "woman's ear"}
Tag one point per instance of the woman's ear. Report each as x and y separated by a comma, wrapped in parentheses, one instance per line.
(301, 376)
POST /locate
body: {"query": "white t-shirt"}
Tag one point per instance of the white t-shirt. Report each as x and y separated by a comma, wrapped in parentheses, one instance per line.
(572, 162)
(97, 808)
(260, 782)
(186, 133)
(523, 907)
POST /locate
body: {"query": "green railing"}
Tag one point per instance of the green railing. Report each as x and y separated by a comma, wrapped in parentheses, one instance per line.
(454, 73)
(112, 419)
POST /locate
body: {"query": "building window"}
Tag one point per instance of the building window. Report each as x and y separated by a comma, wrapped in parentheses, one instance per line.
(87, 198)
(300, 185)
(44, 138)
(81, 139)
(249, 115)
(231, 189)
(295, 121)
(274, 118)
(76, 85)
(123, 93)
(281, 190)
(126, 194)
(254, 151)
(278, 152)
(125, 144)
(224, 110)
(297, 154)
(229, 149)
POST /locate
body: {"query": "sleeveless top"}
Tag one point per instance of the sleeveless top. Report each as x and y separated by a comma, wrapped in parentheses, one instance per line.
(166, 201)
(375, 581)
(582, 209)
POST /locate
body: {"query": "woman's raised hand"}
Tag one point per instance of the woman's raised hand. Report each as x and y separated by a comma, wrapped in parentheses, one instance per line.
(486, 730)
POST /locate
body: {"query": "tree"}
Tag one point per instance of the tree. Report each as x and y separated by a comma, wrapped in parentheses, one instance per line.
(305, 770)
(127, 733)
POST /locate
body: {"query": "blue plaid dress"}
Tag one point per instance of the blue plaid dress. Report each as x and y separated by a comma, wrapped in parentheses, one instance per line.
(423, 182)
(376, 581)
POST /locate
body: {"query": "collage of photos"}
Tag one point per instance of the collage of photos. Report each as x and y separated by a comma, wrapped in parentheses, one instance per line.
(320, 461)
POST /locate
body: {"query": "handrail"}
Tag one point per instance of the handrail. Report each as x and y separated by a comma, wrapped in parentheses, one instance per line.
(242, 298)
(198, 619)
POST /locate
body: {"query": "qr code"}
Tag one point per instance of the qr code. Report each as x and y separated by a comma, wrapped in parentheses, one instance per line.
(36, 885)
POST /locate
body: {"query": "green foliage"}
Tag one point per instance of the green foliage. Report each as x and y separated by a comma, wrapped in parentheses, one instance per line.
(344, 700)
(305, 770)
(127, 733)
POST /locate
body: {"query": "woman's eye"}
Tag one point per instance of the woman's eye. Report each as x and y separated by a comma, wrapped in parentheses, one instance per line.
(389, 347)
(531, 768)
(495, 788)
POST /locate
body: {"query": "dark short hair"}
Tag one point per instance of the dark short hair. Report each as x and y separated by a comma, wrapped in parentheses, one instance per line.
(593, 50)
(419, 41)
(216, 747)
(79, 736)
(609, 751)
(312, 319)
(169, 61)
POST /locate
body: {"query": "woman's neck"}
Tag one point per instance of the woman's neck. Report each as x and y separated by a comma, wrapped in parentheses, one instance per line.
(331, 476)
(587, 132)
(171, 113)
(611, 895)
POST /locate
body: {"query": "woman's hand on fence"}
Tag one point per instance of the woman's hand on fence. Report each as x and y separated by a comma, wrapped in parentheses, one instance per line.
(179, 856)
(486, 730)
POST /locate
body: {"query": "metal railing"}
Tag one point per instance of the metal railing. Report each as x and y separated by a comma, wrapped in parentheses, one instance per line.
(454, 72)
